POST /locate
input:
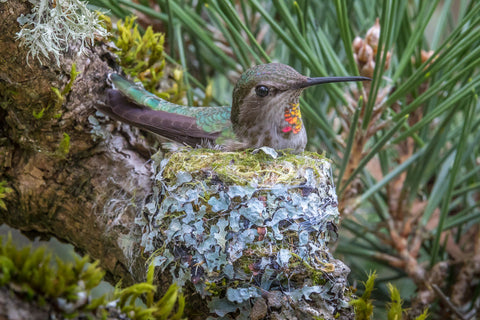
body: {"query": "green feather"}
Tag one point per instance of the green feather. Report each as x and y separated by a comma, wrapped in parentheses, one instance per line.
(210, 119)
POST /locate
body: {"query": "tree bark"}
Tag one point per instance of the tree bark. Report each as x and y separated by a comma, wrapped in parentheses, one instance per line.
(65, 195)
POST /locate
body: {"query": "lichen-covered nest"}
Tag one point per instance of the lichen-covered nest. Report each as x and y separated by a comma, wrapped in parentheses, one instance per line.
(250, 230)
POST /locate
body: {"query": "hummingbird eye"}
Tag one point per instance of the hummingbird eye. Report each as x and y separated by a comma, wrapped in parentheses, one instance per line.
(261, 91)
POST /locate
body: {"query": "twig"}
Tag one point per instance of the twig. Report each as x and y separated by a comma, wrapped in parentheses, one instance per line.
(450, 305)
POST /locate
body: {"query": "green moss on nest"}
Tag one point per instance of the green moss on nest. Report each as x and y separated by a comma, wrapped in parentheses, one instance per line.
(242, 167)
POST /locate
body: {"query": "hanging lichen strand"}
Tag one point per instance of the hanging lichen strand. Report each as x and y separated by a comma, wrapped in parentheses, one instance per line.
(250, 231)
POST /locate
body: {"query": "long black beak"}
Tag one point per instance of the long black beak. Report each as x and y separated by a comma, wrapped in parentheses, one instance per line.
(320, 80)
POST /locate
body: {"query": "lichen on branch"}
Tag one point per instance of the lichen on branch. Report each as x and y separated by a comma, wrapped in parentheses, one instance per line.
(54, 25)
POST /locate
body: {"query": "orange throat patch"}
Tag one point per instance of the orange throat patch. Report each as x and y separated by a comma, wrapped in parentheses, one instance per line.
(294, 118)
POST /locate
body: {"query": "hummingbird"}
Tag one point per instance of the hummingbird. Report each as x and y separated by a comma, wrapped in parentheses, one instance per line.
(265, 111)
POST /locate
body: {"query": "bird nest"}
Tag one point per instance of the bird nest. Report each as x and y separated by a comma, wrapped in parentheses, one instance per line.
(250, 230)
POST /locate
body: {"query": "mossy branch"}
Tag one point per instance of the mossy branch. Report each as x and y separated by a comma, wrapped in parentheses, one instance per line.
(68, 286)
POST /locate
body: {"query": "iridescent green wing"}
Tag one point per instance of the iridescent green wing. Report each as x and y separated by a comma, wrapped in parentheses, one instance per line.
(210, 119)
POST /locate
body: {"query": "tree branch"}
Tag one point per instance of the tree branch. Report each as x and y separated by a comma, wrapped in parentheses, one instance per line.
(65, 194)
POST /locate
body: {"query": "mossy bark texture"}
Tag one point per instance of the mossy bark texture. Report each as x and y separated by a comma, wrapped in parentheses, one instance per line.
(65, 190)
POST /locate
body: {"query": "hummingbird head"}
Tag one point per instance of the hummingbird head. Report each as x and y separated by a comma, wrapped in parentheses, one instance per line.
(265, 105)
(261, 85)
